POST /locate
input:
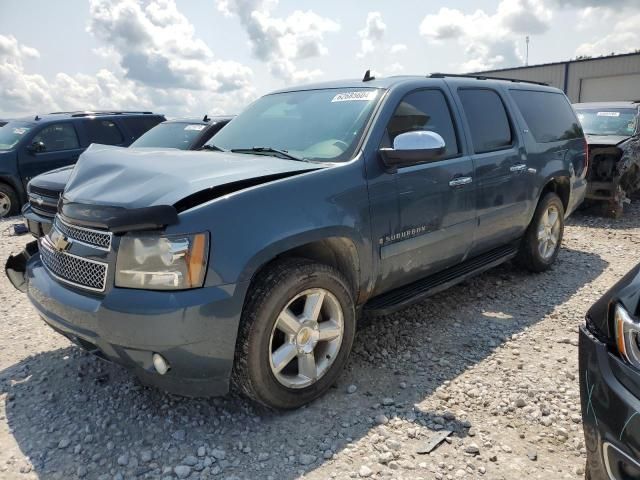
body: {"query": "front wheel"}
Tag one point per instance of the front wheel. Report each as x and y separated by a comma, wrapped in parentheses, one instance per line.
(295, 335)
(541, 242)
(8, 201)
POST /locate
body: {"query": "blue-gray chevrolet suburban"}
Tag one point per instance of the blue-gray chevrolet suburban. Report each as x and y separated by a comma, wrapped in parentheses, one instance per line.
(248, 265)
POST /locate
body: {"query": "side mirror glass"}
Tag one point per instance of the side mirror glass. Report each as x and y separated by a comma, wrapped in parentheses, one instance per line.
(37, 147)
(411, 148)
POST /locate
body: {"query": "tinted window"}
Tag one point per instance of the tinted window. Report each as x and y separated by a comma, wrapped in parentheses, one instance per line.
(424, 110)
(548, 115)
(487, 118)
(138, 126)
(104, 132)
(171, 135)
(59, 136)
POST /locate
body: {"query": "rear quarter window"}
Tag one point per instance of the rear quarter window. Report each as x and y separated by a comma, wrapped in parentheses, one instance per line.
(548, 115)
(487, 118)
(138, 126)
(104, 132)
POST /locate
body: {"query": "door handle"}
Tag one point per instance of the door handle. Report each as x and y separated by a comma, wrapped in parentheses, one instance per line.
(519, 167)
(460, 181)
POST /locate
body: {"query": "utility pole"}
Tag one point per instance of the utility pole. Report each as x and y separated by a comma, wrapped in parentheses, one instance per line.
(526, 61)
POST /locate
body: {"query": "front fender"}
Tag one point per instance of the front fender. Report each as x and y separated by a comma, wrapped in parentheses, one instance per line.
(251, 227)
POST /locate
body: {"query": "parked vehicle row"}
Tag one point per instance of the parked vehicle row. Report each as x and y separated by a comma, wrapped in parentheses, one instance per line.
(44, 190)
(31, 146)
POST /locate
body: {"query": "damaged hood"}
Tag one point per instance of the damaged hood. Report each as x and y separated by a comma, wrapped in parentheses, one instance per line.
(606, 139)
(139, 178)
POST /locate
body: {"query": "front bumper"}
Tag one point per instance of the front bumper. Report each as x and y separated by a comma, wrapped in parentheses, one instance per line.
(38, 225)
(610, 396)
(194, 330)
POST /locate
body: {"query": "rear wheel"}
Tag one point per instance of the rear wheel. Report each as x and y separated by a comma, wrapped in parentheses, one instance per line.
(8, 201)
(542, 240)
(296, 333)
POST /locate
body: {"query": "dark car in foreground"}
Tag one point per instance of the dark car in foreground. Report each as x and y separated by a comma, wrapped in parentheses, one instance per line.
(610, 382)
(44, 190)
(252, 261)
(33, 145)
(613, 134)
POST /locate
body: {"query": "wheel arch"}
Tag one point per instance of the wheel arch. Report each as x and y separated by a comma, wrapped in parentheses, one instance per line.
(336, 249)
(561, 186)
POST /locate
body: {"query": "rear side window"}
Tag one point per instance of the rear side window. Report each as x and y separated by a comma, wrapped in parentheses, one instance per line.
(487, 119)
(424, 110)
(549, 115)
(104, 132)
(138, 126)
(59, 136)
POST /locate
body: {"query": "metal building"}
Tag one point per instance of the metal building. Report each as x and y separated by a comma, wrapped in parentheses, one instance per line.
(616, 77)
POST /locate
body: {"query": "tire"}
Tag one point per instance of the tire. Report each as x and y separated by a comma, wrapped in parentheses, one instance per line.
(295, 285)
(536, 253)
(9, 204)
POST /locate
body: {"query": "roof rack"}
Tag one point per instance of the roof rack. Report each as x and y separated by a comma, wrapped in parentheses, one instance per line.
(91, 113)
(484, 77)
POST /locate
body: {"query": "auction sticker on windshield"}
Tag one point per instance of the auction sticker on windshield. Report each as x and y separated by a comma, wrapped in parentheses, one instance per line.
(196, 127)
(355, 96)
(608, 114)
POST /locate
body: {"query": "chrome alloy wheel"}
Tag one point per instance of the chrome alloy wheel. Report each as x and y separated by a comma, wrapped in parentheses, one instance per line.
(5, 204)
(549, 232)
(306, 338)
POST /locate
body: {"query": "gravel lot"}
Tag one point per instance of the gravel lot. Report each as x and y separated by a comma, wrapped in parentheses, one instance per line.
(493, 360)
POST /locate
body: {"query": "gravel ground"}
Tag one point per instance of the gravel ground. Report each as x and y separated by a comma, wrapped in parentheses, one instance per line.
(493, 360)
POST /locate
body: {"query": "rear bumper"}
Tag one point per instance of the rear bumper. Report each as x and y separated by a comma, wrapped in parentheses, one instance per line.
(194, 330)
(38, 225)
(610, 412)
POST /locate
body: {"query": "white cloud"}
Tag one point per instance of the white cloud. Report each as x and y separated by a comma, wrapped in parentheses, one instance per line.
(622, 32)
(372, 35)
(398, 48)
(489, 40)
(155, 62)
(281, 42)
(157, 47)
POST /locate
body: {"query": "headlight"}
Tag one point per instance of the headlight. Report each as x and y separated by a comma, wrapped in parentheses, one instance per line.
(155, 262)
(627, 336)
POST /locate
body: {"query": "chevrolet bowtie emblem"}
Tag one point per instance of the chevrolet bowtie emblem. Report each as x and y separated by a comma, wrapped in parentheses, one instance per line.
(59, 241)
(39, 201)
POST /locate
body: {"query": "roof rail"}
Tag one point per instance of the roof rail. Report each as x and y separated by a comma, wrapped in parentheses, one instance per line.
(484, 77)
(90, 113)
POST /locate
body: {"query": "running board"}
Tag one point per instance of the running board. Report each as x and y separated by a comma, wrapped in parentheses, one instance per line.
(414, 292)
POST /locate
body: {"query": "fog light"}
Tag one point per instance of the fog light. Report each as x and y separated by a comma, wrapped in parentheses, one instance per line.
(160, 364)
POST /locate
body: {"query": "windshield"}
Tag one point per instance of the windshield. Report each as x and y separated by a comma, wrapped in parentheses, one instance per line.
(171, 135)
(608, 121)
(317, 125)
(12, 133)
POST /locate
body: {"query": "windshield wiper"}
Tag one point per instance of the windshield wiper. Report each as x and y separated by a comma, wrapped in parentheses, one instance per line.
(210, 146)
(268, 150)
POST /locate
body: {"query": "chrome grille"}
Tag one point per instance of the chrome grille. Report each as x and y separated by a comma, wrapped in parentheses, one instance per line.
(94, 238)
(77, 271)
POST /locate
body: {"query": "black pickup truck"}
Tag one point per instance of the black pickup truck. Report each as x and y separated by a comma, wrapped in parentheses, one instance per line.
(252, 261)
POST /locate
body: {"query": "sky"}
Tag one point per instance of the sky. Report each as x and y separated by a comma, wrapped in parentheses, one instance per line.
(191, 57)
